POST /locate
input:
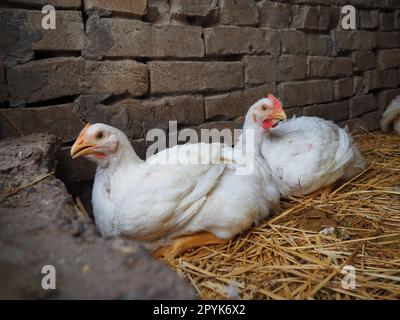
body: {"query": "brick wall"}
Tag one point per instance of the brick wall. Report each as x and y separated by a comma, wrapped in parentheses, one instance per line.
(138, 64)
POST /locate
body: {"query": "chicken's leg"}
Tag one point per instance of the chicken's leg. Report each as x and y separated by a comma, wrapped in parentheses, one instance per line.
(323, 192)
(185, 243)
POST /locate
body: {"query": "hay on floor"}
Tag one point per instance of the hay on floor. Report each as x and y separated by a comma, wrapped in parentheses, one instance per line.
(288, 257)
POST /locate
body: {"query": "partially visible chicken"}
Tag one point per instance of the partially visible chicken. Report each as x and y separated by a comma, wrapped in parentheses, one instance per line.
(391, 117)
(193, 192)
(305, 154)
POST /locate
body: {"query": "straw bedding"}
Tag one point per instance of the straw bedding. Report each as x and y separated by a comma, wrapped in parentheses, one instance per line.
(288, 257)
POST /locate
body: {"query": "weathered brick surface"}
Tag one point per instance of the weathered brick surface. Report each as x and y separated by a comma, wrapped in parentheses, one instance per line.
(59, 120)
(170, 77)
(262, 69)
(343, 88)
(191, 8)
(136, 7)
(379, 79)
(353, 40)
(388, 59)
(323, 67)
(397, 20)
(259, 69)
(45, 79)
(229, 105)
(273, 42)
(116, 77)
(313, 18)
(305, 17)
(369, 19)
(64, 4)
(290, 67)
(387, 21)
(138, 64)
(358, 85)
(3, 85)
(22, 33)
(275, 14)
(334, 111)
(364, 60)
(388, 40)
(131, 38)
(369, 121)
(298, 42)
(306, 93)
(235, 40)
(362, 104)
(238, 12)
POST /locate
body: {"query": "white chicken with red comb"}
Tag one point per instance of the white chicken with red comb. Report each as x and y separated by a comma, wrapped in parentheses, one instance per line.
(162, 200)
(305, 154)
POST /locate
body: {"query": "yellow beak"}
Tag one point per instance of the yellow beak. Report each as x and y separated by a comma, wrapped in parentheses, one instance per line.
(278, 115)
(80, 148)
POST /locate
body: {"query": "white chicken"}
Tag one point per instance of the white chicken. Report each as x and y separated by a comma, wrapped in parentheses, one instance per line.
(305, 154)
(161, 199)
(391, 117)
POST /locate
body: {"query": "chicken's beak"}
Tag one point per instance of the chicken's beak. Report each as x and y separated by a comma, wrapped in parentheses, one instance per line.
(278, 115)
(80, 148)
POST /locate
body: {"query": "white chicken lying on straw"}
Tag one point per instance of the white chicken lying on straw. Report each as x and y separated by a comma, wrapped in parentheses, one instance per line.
(159, 200)
(391, 117)
(305, 154)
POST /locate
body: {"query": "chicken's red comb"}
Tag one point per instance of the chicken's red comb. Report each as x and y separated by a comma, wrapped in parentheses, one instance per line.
(275, 102)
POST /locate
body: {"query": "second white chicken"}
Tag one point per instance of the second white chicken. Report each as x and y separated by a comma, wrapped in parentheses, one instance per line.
(305, 154)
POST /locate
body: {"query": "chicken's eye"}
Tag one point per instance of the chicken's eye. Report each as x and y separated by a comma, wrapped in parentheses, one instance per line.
(263, 108)
(99, 135)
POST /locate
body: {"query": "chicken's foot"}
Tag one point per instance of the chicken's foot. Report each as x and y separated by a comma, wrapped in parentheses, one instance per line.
(186, 243)
(322, 192)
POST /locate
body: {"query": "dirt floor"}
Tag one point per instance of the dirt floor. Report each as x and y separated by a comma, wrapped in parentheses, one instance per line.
(310, 249)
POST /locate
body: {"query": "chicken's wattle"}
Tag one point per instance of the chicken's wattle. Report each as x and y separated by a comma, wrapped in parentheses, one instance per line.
(268, 124)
